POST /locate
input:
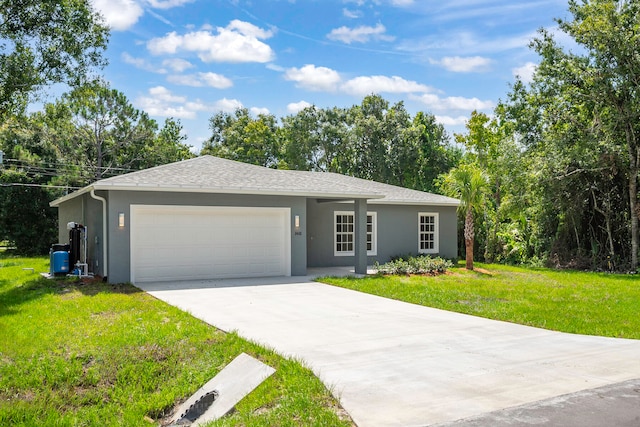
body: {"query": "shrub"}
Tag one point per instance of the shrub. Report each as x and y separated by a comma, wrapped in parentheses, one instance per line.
(423, 264)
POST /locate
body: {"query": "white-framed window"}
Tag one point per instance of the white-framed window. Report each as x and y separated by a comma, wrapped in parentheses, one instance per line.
(344, 233)
(428, 233)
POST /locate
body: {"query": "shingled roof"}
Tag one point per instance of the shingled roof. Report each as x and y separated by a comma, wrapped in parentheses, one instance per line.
(208, 174)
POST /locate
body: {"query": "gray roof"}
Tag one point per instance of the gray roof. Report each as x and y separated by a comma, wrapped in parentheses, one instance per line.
(208, 174)
(392, 193)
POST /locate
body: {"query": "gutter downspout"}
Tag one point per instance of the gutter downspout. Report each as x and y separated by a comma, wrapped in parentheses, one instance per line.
(104, 232)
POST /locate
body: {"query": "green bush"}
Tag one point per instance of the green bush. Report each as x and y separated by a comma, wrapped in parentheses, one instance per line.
(422, 264)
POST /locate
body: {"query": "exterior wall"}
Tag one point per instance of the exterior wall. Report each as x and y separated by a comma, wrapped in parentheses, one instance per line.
(311, 244)
(86, 211)
(119, 239)
(397, 232)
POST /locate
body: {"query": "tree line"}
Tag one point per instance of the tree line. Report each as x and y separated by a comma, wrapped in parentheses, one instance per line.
(549, 178)
(373, 140)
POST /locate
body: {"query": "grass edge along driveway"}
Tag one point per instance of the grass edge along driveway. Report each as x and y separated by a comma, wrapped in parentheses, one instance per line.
(74, 354)
(567, 301)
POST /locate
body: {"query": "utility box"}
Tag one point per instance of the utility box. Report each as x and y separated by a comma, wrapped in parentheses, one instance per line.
(59, 260)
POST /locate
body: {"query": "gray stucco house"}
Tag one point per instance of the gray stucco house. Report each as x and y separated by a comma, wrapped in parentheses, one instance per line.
(209, 217)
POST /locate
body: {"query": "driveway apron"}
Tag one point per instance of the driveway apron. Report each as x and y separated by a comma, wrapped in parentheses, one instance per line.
(392, 363)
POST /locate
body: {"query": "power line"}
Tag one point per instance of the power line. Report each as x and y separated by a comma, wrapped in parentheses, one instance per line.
(29, 162)
(20, 184)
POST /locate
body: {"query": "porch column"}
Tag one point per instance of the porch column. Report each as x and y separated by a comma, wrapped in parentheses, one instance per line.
(360, 235)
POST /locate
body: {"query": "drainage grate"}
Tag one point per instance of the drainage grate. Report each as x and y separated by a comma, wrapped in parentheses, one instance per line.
(198, 408)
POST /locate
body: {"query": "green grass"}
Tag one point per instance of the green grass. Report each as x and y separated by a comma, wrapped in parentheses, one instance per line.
(74, 354)
(568, 301)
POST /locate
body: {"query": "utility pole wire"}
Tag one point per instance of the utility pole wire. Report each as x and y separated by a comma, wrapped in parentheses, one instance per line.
(21, 184)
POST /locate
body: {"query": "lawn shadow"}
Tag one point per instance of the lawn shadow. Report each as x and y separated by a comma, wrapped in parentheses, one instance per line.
(13, 298)
(91, 287)
(483, 272)
(478, 271)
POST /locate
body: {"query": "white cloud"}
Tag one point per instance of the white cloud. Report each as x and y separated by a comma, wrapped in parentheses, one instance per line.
(452, 121)
(161, 102)
(460, 64)
(402, 3)
(525, 72)
(351, 14)
(162, 108)
(237, 42)
(159, 17)
(166, 45)
(467, 43)
(360, 34)
(248, 29)
(314, 78)
(295, 107)
(163, 94)
(325, 79)
(227, 105)
(435, 102)
(198, 106)
(119, 15)
(201, 79)
(167, 4)
(141, 63)
(256, 111)
(178, 65)
(215, 80)
(274, 67)
(365, 85)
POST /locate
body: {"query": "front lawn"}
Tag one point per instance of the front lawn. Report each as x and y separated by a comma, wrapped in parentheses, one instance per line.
(74, 354)
(568, 301)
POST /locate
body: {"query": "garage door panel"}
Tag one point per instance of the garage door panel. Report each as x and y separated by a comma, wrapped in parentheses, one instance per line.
(187, 242)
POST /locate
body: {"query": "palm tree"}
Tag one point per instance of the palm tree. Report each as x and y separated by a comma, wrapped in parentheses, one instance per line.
(468, 183)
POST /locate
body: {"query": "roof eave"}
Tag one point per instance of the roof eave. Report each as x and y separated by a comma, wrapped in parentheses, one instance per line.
(235, 190)
(59, 200)
(415, 203)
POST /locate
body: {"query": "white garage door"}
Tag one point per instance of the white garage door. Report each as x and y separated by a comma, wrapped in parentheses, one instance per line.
(202, 242)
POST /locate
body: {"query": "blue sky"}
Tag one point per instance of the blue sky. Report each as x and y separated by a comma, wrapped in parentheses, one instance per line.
(189, 59)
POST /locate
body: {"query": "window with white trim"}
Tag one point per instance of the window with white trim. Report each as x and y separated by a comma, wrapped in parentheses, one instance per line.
(428, 233)
(344, 233)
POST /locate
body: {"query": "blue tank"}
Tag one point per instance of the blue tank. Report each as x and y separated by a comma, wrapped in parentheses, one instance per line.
(59, 263)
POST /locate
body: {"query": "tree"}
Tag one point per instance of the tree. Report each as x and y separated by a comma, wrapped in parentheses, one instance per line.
(240, 137)
(434, 154)
(315, 139)
(602, 86)
(105, 135)
(370, 139)
(373, 140)
(490, 144)
(168, 146)
(46, 42)
(467, 183)
(26, 220)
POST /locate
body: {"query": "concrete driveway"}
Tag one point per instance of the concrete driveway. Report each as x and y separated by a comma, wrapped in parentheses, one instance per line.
(396, 364)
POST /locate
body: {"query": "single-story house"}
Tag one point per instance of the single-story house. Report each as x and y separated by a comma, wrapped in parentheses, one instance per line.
(209, 217)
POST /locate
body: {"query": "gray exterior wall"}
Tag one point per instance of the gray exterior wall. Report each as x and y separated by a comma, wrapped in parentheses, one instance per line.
(119, 239)
(86, 211)
(312, 245)
(397, 228)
